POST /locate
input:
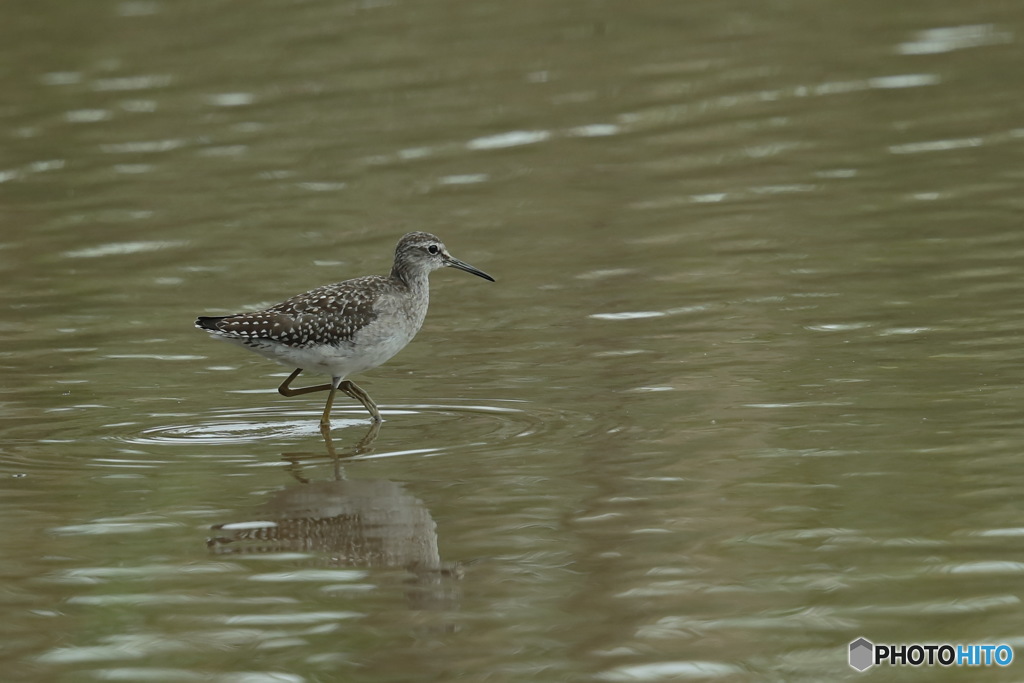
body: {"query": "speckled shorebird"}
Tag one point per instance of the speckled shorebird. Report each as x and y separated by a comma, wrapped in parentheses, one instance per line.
(344, 328)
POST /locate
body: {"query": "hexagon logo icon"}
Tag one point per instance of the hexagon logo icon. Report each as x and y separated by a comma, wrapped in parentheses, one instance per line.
(862, 654)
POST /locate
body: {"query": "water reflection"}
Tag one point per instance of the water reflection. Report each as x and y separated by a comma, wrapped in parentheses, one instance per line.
(357, 523)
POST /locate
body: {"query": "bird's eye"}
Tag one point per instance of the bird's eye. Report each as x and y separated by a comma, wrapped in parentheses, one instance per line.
(433, 249)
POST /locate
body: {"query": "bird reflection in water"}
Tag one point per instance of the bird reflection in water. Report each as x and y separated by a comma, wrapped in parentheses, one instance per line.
(362, 523)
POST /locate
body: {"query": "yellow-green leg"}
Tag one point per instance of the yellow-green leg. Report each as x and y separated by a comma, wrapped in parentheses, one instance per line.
(286, 390)
(353, 390)
(349, 387)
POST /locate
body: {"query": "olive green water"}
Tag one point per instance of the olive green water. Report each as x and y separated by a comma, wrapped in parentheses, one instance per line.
(748, 385)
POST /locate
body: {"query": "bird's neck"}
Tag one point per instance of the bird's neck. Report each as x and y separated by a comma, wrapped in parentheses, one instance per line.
(415, 280)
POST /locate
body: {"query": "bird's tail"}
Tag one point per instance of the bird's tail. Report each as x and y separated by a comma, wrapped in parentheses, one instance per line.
(210, 323)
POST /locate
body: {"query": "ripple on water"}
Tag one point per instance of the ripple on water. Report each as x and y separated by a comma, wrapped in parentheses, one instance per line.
(477, 423)
(128, 449)
(230, 427)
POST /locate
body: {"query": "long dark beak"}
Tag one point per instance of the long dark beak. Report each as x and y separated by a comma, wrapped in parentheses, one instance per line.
(462, 265)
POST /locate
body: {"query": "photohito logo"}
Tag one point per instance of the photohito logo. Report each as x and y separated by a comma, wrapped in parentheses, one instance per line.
(864, 654)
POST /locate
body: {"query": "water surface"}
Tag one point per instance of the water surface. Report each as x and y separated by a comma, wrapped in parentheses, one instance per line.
(747, 388)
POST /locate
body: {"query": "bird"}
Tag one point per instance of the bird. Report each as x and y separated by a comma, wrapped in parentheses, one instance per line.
(344, 328)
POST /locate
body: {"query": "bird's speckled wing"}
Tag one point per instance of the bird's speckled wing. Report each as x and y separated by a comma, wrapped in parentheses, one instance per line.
(325, 315)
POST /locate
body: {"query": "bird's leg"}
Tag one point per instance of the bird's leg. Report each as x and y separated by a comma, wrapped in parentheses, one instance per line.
(350, 388)
(353, 390)
(325, 419)
(286, 390)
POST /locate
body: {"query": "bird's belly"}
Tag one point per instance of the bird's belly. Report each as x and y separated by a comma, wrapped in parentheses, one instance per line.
(369, 348)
